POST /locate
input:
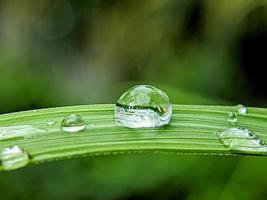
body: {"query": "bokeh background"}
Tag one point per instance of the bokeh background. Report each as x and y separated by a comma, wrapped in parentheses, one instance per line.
(59, 52)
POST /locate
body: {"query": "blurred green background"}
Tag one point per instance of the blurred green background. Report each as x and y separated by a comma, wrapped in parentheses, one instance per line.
(57, 53)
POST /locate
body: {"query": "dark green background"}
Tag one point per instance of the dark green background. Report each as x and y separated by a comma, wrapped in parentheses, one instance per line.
(57, 53)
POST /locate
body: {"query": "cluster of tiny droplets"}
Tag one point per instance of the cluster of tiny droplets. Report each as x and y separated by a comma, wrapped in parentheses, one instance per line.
(240, 109)
(239, 139)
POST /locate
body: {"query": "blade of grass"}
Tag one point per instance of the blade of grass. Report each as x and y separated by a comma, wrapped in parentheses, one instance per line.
(192, 130)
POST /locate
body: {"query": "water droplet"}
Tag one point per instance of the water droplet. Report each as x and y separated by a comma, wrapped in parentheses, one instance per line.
(9, 132)
(241, 109)
(143, 106)
(232, 118)
(242, 140)
(72, 123)
(13, 158)
(50, 122)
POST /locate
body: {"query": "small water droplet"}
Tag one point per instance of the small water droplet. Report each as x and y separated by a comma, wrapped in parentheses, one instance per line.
(241, 109)
(143, 106)
(50, 122)
(242, 140)
(9, 132)
(73, 123)
(13, 158)
(232, 118)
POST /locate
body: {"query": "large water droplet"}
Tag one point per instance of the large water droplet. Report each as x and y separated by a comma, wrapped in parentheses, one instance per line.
(242, 140)
(241, 109)
(13, 158)
(9, 132)
(143, 106)
(232, 118)
(73, 123)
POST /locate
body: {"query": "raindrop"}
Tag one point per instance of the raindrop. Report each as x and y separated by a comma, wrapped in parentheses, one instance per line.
(73, 123)
(241, 109)
(13, 158)
(50, 122)
(232, 118)
(242, 140)
(143, 106)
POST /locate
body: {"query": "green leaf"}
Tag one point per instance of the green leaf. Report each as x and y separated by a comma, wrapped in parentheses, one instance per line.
(192, 130)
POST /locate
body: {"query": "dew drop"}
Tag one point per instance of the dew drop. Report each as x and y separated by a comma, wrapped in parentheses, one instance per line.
(232, 118)
(242, 140)
(13, 158)
(143, 106)
(50, 122)
(73, 123)
(241, 109)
